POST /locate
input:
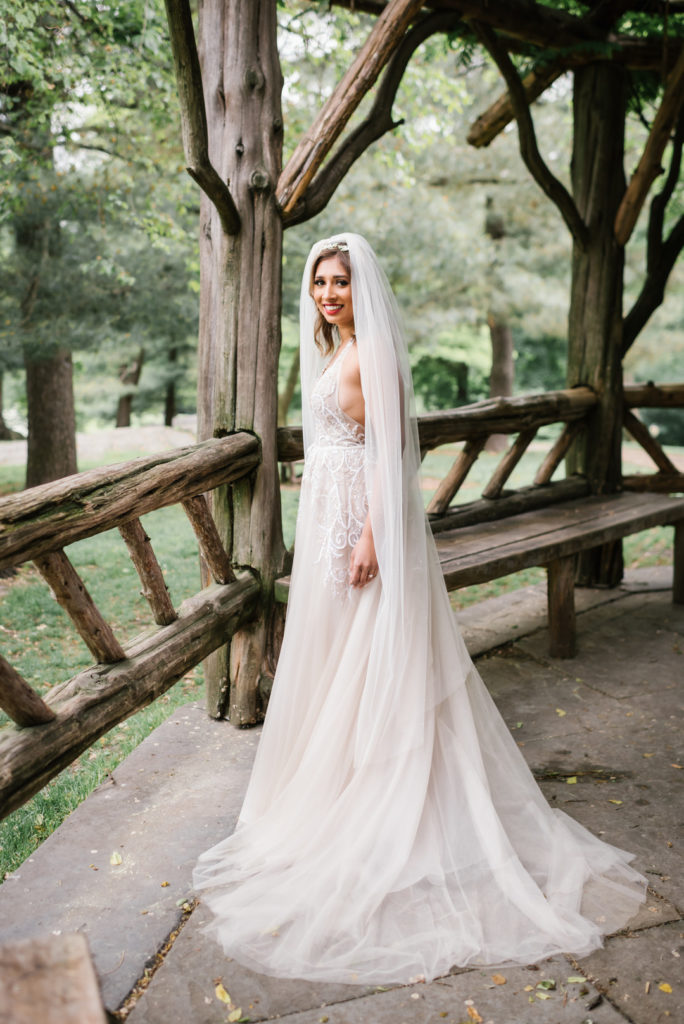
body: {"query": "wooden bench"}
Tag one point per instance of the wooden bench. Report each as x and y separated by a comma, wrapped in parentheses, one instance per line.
(551, 536)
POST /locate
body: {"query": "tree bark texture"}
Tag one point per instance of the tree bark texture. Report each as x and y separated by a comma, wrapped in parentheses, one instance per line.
(51, 417)
(239, 339)
(595, 319)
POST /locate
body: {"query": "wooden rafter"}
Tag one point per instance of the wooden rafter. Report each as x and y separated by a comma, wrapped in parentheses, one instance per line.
(314, 147)
(649, 166)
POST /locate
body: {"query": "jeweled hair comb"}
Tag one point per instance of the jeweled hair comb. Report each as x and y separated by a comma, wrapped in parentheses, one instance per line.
(328, 243)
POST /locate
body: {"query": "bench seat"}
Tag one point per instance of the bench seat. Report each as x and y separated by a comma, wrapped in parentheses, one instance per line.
(553, 537)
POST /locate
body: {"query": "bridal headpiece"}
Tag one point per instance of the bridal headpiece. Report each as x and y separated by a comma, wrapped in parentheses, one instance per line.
(330, 243)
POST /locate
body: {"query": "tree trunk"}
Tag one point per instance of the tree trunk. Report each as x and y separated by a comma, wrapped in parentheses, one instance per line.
(129, 375)
(239, 338)
(595, 320)
(170, 395)
(502, 374)
(51, 418)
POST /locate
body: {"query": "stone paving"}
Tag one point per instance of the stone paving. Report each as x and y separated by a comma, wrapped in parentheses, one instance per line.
(611, 719)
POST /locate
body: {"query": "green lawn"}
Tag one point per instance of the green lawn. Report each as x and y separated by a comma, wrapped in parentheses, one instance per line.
(38, 638)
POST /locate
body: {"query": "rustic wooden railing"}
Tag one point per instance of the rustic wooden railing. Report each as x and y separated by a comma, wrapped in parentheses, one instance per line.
(652, 396)
(38, 523)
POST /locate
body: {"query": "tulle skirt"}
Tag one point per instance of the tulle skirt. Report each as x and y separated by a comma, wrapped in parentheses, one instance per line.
(385, 836)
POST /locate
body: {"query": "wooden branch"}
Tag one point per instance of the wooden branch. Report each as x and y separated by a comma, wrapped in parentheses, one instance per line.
(66, 510)
(660, 254)
(19, 700)
(493, 121)
(312, 150)
(661, 483)
(557, 453)
(641, 434)
(72, 595)
(508, 463)
(97, 699)
(154, 588)
(529, 150)
(378, 121)
(654, 396)
(208, 538)
(193, 114)
(462, 465)
(649, 166)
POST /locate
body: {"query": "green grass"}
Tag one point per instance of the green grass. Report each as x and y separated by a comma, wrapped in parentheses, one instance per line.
(39, 640)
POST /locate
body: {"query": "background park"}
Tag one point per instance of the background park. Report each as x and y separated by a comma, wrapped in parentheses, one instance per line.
(144, 308)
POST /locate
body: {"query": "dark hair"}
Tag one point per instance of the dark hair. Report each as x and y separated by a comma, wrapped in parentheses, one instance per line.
(323, 331)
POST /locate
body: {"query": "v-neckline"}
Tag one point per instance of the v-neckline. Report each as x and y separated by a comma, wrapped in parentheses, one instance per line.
(338, 356)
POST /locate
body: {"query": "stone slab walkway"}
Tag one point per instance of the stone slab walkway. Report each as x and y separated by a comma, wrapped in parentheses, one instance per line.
(611, 719)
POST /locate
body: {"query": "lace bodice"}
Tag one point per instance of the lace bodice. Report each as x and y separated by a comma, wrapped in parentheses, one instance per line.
(334, 478)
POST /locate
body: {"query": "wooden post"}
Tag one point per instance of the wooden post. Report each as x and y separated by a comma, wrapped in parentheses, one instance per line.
(239, 338)
(561, 604)
(212, 549)
(149, 570)
(71, 593)
(595, 319)
(678, 564)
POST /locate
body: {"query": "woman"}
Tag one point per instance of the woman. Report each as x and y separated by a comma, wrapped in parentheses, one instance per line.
(391, 828)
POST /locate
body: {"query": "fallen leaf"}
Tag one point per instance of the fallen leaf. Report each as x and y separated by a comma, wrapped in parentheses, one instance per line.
(323, 1020)
(235, 1015)
(647, 987)
(664, 987)
(572, 780)
(474, 1015)
(221, 994)
(548, 984)
(116, 858)
(528, 988)
(542, 995)
(615, 802)
(576, 979)
(164, 885)
(649, 755)
(560, 712)
(677, 765)
(498, 979)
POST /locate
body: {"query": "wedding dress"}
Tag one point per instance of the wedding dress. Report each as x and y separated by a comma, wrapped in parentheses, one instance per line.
(391, 828)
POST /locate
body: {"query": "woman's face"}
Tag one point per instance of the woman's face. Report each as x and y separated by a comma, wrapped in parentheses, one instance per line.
(332, 293)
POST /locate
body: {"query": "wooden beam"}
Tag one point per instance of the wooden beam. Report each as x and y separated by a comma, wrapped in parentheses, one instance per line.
(208, 538)
(508, 463)
(154, 588)
(384, 38)
(654, 396)
(67, 510)
(655, 483)
(557, 453)
(678, 564)
(460, 468)
(495, 118)
(73, 596)
(492, 416)
(95, 700)
(641, 434)
(19, 700)
(527, 499)
(649, 166)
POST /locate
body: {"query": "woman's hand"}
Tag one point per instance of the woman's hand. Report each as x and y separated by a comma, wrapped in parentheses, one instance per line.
(363, 564)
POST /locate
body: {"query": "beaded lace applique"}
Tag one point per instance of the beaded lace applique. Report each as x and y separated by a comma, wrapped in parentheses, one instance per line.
(335, 473)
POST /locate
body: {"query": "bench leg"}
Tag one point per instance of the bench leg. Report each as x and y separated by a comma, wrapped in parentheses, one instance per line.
(561, 603)
(678, 576)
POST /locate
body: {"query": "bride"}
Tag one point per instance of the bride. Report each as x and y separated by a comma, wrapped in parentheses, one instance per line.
(391, 828)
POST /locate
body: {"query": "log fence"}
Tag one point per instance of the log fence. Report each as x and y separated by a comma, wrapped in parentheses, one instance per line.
(37, 524)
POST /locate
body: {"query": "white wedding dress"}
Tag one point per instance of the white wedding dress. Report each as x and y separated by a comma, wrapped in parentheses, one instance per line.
(391, 828)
